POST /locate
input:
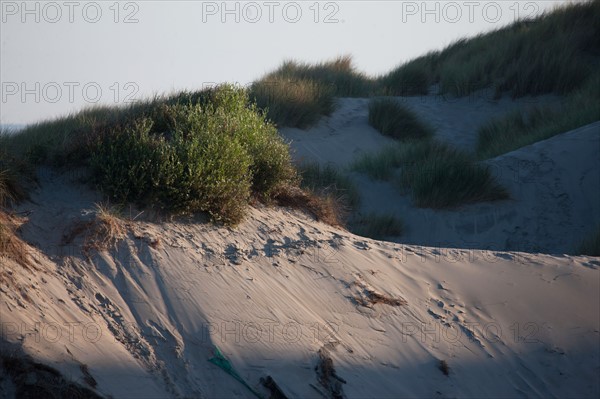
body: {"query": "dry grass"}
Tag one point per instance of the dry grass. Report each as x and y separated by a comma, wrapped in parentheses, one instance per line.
(101, 233)
(369, 297)
(12, 183)
(11, 246)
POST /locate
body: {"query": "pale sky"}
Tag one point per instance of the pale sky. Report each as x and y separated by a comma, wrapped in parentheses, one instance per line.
(57, 57)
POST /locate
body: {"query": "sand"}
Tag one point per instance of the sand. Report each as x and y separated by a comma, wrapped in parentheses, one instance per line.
(281, 287)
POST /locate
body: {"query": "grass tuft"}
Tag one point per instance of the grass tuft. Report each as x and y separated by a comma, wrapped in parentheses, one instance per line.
(377, 226)
(324, 192)
(295, 103)
(410, 79)
(101, 233)
(437, 175)
(328, 181)
(392, 119)
(298, 94)
(11, 246)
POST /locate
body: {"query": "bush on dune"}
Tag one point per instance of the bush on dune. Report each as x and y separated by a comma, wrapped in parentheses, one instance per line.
(190, 158)
(194, 151)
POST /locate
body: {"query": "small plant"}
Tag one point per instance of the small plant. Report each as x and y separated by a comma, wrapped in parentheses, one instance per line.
(15, 175)
(392, 119)
(377, 226)
(325, 193)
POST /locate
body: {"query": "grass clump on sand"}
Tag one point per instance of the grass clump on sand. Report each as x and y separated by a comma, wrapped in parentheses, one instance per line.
(295, 103)
(298, 94)
(380, 165)
(519, 128)
(591, 245)
(100, 233)
(11, 246)
(15, 176)
(395, 120)
(206, 151)
(437, 176)
(377, 226)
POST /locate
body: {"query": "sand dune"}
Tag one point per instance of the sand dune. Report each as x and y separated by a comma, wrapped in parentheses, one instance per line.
(147, 315)
(553, 184)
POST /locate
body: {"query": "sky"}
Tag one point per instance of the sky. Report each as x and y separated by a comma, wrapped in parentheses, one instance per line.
(59, 57)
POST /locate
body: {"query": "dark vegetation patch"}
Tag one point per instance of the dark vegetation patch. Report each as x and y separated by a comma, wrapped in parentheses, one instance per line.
(393, 119)
(33, 380)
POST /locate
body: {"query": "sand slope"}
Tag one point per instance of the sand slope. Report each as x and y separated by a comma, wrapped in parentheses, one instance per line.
(273, 292)
(554, 184)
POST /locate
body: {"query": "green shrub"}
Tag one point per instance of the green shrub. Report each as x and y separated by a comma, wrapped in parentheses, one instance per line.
(196, 169)
(207, 155)
(393, 119)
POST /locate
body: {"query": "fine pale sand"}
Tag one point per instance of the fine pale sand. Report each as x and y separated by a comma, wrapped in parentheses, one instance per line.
(147, 315)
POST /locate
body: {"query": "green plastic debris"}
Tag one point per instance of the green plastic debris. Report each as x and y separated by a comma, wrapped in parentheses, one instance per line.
(221, 361)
